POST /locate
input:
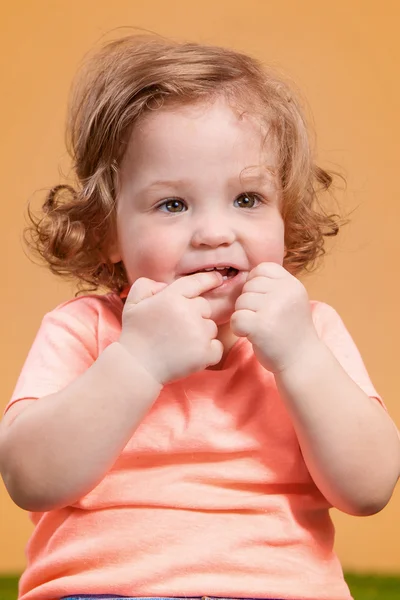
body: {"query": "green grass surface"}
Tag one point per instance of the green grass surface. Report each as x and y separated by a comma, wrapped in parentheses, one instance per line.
(363, 587)
(373, 587)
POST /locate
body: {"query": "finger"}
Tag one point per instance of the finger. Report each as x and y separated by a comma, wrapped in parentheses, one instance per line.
(203, 306)
(144, 288)
(268, 269)
(251, 301)
(216, 353)
(242, 322)
(194, 285)
(211, 327)
(260, 284)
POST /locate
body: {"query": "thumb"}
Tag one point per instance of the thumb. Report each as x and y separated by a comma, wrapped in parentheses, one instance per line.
(144, 288)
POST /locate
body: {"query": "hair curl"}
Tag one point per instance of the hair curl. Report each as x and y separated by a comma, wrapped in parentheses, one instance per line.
(120, 83)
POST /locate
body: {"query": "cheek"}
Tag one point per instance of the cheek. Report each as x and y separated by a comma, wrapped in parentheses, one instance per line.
(277, 250)
(149, 253)
(269, 243)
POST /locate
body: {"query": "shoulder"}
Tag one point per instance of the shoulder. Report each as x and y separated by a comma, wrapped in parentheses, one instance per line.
(322, 309)
(332, 330)
(324, 316)
(69, 340)
(93, 320)
(89, 309)
(90, 305)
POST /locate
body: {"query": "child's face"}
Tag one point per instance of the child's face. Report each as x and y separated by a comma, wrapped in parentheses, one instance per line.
(185, 203)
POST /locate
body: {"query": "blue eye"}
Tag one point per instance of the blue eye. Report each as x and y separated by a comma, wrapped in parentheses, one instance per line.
(247, 200)
(172, 206)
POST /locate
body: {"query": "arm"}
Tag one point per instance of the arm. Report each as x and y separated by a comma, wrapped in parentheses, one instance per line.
(60, 446)
(349, 443)
(56, 449)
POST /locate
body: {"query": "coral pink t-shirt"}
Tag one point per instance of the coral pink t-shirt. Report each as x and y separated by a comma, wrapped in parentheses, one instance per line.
(211, 495)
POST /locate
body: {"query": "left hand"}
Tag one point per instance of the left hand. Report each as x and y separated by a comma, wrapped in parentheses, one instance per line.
(274, 313)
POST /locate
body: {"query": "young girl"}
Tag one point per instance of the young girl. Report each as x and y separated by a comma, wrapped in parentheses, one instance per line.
(187, 433)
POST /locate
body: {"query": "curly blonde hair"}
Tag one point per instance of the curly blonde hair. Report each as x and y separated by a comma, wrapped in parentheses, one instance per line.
(120, 83)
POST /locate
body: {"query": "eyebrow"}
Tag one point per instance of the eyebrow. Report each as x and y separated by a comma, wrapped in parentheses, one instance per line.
(165, 183)
(266, 176)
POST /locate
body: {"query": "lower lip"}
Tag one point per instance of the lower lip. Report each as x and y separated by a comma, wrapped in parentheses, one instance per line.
(230, 282)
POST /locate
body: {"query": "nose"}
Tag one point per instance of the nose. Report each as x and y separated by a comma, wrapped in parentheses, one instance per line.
(212, 231)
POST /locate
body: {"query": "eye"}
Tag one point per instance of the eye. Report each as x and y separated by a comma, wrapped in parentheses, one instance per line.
(173, 205)
(247, 200)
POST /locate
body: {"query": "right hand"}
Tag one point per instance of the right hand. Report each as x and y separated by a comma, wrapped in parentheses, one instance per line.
(167, 328)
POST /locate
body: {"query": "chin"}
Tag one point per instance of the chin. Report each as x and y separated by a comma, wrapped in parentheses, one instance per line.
(221, 315)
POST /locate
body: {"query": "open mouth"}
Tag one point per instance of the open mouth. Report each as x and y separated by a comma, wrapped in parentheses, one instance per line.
(226, 272)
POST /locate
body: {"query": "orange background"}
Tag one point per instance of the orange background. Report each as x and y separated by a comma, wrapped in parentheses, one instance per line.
(344, 55)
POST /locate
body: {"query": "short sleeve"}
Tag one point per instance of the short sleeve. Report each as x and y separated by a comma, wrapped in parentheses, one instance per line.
(334, 334)
(65, 346)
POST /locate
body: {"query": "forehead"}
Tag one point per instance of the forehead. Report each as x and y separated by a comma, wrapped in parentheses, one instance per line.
(209, 130)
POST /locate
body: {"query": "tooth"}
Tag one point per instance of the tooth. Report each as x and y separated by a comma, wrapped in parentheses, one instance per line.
(224, 277)
(211, 269)
(221, 268)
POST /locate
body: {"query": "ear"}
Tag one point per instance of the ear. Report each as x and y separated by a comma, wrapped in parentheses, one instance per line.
(114, 253)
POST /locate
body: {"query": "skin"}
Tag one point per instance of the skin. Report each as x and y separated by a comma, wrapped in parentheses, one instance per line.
(175, 323)
(203, 150)
(211, 158)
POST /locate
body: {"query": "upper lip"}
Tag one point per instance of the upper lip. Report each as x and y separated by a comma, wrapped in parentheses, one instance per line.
(194, 269)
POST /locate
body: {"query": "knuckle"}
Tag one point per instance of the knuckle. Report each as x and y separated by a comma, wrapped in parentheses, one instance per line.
(254, 284)
(270, 268)
(262, 268)
(247, 286)
(236, 318)
(240, 302)
(211, 330)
